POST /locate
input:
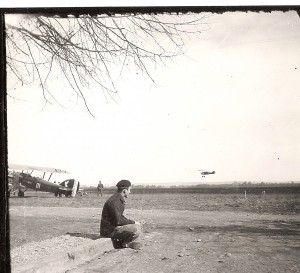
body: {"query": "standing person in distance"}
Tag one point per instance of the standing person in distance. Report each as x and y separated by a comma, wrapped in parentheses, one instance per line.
(122, 231)
(99, 188)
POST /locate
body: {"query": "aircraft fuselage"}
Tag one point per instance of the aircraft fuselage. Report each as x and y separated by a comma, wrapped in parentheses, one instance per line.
(207, 173)
(38, 184)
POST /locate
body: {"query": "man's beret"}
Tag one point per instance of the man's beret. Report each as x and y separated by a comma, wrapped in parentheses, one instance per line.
(123, 184)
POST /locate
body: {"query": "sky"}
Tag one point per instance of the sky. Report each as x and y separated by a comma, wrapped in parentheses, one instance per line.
(229, 105)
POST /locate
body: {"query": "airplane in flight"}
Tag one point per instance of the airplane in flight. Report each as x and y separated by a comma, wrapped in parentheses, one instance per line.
(204, 173)
(20, 178)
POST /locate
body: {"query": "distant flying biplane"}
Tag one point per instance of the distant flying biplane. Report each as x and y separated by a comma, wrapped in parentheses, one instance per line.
(19, 181)
(204, 173)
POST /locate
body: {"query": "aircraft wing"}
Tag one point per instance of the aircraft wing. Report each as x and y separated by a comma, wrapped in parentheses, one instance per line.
(35, 168)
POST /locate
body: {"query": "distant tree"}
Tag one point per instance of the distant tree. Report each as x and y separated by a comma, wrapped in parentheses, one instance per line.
(92, 48)
(139, 186)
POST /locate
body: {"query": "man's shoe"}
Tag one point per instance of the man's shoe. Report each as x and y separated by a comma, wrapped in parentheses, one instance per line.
(117, 244)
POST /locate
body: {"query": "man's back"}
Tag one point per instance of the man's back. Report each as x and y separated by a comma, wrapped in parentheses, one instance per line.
(114, 224)
(112, 215)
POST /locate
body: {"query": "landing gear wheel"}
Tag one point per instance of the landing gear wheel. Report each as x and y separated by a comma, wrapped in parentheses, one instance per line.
(21, 194)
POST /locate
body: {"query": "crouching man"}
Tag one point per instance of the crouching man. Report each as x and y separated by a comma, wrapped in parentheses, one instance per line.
(122, 231)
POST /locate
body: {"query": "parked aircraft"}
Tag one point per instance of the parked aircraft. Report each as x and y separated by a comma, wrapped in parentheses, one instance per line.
(19, 181)
(204, 173)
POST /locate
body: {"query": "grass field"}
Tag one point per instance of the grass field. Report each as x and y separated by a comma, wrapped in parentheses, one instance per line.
(268, 203)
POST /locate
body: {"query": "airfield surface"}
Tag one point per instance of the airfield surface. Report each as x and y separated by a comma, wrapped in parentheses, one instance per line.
(233, 238)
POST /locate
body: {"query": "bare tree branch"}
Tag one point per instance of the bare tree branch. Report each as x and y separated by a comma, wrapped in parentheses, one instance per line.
(89, 48)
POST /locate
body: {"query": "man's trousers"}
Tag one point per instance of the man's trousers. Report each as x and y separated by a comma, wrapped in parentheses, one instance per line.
(123, 235)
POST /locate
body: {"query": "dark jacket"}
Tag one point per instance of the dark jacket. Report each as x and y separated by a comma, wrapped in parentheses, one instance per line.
(112, 215)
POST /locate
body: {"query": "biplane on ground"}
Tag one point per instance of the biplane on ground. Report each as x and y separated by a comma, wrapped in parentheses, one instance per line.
(21, 178)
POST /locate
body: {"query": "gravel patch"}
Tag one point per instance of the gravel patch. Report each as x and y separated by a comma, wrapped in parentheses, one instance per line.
(40, 250)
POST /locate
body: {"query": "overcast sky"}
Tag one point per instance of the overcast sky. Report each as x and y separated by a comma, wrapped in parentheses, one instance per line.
(230, 105)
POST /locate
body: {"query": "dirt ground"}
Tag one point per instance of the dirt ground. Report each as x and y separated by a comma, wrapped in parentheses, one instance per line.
(173, 240)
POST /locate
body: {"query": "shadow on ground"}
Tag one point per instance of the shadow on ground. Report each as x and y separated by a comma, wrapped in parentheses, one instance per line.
(85, 235)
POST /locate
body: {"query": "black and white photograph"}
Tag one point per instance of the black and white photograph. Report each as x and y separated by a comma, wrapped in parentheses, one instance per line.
(152, 139)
